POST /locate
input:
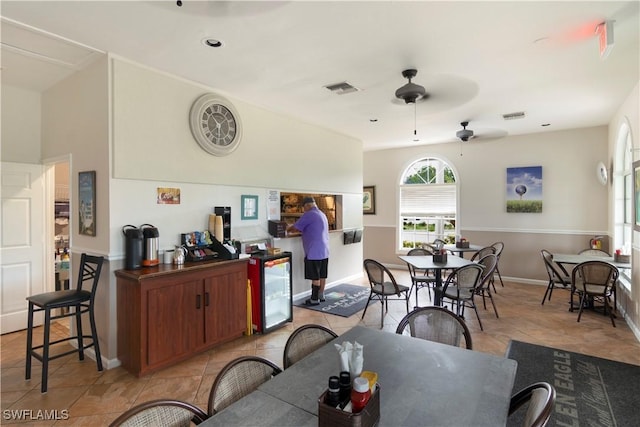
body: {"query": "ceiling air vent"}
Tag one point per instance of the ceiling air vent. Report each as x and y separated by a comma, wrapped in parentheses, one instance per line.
(342, 88)
(514, 116)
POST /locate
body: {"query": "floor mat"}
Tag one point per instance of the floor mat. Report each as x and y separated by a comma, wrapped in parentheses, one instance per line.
(589, 390)
(342, 300)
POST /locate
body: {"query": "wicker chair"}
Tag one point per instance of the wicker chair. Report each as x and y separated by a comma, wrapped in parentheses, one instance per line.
(383, 286)
(481, 253)
(499, 247)
(436, 324)
(238, 378)
(557, 274)
(164, 412)
(305, 340)
(490, 264)
(592, 281)
(595, 252)
(461, 287)
(541, 397)
(420, 278)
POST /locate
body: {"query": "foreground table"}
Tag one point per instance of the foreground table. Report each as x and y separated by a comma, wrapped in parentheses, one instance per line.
(423, 383)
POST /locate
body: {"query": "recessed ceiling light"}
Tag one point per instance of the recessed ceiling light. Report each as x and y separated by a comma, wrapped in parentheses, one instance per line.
(212, 42)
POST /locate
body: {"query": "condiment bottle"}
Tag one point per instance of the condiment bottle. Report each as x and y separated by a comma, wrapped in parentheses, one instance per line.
(333, 395)
(360, 394)
(345, 387)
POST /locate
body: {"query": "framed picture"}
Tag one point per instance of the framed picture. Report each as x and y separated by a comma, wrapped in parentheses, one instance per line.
(636, 195)
(249, 207)
(524, 189)
(87, 203)
(369, 200)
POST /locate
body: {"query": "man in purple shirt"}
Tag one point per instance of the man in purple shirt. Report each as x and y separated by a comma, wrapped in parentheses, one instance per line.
(315, 239)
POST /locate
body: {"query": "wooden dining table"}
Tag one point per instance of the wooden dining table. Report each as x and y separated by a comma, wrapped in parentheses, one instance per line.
(426, 262)
(422, 383)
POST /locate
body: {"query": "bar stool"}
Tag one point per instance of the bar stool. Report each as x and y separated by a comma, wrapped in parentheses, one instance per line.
(80, 299)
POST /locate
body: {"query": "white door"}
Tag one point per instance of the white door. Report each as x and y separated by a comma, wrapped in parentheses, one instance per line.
(22, 249)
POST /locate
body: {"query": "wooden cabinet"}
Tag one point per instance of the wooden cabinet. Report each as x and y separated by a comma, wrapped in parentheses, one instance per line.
(167, 313)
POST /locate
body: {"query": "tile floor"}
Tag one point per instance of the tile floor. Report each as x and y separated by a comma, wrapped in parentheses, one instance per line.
(96, 398)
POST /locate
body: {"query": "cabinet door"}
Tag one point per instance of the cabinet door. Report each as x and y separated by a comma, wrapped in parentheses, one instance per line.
(174, 320)
(226, 312)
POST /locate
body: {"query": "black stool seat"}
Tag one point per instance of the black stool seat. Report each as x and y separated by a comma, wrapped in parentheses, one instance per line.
(78, 301)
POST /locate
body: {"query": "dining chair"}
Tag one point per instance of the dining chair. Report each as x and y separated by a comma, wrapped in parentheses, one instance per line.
(490, 264)
(499, 247)
(383, 287)
(594, 281)
(480, 253)
(557, 275)
(70, 302)
(461, 287)
(594, 252)
(162, 412)
(238, 378)
(436, 324)
(305, 340)
(420, 278)
(541, 397)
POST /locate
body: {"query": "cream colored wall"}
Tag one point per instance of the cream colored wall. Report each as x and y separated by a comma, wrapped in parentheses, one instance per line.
(20, 131)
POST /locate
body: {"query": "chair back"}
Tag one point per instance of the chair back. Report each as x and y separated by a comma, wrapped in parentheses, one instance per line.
(237, 379)
(305, 340)
(498, 246)
(466, 277)
(377, 273)
(436, 324)
(89, 272)
(541, 397)
(413, 271)
(595, 252)
(595, 276)
(483, 252)
(438, 244)
(555, 272)
(162, 412)
(489, 262)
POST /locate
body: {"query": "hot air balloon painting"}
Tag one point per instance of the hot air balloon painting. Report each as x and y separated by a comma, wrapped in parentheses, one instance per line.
(524, 189)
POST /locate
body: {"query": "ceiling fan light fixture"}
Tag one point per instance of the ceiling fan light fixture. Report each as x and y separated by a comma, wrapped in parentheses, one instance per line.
(410, 92)
(464, 134)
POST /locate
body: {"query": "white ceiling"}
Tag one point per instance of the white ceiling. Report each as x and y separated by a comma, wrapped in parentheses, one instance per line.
(477, 60)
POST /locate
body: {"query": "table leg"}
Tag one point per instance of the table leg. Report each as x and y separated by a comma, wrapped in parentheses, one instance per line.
(437, 299)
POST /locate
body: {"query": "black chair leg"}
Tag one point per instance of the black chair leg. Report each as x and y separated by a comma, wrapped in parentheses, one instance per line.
(45, 350)
(27, 373)
(94, 335)
(78, 317)
(367, 306)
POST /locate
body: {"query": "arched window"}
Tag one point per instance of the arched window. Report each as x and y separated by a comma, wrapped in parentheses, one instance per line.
(428, 194)
(623, 195)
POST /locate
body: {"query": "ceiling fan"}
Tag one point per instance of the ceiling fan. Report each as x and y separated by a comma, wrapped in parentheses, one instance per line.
(410, 93)
(465, 134)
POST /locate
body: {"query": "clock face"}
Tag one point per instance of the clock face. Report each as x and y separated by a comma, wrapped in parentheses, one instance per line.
(215, 125)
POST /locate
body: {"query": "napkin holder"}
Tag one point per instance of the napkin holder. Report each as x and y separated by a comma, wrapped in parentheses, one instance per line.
(440, 258)
(462, 244)
(329, 416)
(625, 259)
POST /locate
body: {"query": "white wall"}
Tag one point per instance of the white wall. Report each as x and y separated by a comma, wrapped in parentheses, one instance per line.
(20, 132)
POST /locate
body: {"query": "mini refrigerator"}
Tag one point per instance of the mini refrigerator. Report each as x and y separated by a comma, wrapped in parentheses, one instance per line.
(271, 299)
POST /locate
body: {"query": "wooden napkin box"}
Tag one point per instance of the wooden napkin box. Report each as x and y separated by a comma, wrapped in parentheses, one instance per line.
(440, 258)
(329, 416)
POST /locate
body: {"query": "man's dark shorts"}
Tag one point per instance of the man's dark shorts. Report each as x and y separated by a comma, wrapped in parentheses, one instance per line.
(315, 269)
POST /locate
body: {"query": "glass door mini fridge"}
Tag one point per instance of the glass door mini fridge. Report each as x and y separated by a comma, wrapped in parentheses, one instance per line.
(271, 299)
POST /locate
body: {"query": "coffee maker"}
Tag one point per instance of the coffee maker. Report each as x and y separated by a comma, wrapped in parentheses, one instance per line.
(151, 235)
(133, 247)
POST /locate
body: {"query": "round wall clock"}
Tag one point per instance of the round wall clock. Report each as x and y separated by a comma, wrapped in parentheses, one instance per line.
(215, 124)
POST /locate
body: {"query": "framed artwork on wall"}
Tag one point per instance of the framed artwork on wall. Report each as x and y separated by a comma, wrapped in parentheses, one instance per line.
(524, 189)
(87, 203)
(369, 200)
(636, 195)
(249, 207)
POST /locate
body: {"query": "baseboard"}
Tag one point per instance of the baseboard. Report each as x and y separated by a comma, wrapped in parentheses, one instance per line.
(91, 354)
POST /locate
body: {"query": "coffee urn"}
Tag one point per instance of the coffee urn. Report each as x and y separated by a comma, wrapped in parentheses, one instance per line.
(133, 247)
(150, 234)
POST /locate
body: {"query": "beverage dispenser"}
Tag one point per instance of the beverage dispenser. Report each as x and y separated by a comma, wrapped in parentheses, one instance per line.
(133, 247)
(151, 235)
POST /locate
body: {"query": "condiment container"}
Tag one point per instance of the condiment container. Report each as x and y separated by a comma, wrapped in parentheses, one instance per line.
(333, 394)
(345, 388)
(360, 394)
